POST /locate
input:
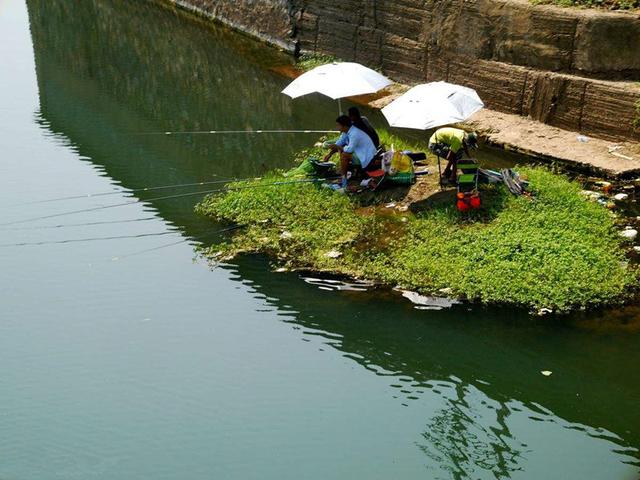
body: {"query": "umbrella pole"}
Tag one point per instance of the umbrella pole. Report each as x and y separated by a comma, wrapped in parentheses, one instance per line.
(339, 106)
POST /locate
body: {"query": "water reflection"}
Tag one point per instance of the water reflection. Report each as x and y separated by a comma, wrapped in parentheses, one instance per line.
(479, 373)
(466, 438)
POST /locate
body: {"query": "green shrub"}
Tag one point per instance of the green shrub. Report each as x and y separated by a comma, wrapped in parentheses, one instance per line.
(309, 61)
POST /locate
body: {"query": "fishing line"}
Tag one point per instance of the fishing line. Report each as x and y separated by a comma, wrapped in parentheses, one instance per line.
(234, 132)
(198, 237)
(167, 197)
(93, 239)
(104, 207)
(120, 192)
(108, 222)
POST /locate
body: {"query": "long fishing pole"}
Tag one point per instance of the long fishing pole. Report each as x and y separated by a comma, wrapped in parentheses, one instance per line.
(148, 250)
(133, 190)
(167, 197)
(120, 237)
(104, 207)
(234, 132)
(87, 224)
(92, 239)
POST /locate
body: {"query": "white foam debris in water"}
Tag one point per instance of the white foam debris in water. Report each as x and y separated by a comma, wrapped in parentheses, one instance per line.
(337, 285)
(425, 302)
(546, 373)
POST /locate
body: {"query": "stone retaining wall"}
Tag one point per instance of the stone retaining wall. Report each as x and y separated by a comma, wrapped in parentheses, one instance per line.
(566, 67)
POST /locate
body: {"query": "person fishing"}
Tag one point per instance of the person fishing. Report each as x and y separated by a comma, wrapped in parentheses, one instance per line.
(355, 147)
(449, 143)
(363, 124)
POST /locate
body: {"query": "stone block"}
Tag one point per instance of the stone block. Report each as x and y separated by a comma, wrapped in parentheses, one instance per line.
(608, 44)
(609, 110)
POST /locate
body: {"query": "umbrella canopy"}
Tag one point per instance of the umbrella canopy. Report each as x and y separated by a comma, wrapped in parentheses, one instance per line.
(432, 105)
(337, 80)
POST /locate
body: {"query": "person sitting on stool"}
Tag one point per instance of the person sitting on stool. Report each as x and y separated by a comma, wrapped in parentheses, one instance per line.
(364, 124)
(354, 145)
(449, 143)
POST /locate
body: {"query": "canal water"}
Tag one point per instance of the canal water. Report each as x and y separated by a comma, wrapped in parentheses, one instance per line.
(128, 358)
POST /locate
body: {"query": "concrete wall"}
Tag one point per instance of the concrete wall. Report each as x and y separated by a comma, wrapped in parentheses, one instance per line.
(566, 67)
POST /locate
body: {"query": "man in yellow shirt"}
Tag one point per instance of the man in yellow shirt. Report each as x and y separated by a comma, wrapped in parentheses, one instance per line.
(449, 143)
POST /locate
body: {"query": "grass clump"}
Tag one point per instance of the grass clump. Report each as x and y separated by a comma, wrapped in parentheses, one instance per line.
(309, 61)
(557, 250)
(554, 250)
(606, 4)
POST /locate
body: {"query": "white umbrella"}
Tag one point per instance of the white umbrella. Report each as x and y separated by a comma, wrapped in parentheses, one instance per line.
(337, 80)
(431, 105)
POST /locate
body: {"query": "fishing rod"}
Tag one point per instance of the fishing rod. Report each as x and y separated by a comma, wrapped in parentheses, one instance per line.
(167, 197)
(88, 224)
(104, 207)
(148, 250)
(134, 190)
(234, 132)
(120, 237)
(92, 239)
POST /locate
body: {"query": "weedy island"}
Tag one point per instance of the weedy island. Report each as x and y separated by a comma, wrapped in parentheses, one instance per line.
(554, 249)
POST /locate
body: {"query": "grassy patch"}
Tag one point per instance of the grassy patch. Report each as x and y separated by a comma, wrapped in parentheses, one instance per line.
(556, 250)
(606, 4)
(309, 61)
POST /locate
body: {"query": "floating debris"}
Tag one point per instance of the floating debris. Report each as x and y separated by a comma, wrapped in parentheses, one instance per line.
(425, 302)
(546, 373)
(621, 197)
(338, 285)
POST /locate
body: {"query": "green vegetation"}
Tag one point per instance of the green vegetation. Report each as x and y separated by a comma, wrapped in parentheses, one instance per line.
(309, 61)
(607, 4)
(555, 250)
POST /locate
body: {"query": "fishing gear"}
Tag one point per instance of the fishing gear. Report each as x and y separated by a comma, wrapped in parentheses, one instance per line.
(167, 197)
(234, 132)
(87, 224)
(198, 237)
(104, 207)
(145, 189)
(93, 239)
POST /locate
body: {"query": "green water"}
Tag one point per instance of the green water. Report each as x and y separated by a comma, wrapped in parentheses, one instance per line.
(157, 366)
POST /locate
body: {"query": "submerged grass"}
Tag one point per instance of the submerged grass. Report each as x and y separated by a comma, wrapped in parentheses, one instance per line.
(555, 250)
